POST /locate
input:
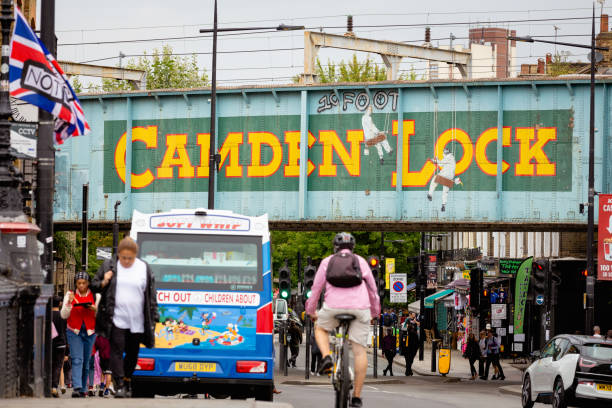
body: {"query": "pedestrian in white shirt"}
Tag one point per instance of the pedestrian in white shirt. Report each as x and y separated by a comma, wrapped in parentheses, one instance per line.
(597, 332)
(128, 311)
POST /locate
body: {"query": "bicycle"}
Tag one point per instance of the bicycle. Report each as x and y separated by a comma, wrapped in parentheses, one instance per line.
(342, 375)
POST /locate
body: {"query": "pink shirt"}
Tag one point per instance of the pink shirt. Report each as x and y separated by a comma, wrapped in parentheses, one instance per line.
(364, 296)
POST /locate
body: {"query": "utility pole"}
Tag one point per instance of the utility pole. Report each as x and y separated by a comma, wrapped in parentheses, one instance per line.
(212, 164)
(45, 181)
(422, 282)
(590, 280)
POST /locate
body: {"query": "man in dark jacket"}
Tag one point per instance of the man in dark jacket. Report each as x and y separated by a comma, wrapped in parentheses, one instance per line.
(128, 311)
(409, 346)
(294, 343)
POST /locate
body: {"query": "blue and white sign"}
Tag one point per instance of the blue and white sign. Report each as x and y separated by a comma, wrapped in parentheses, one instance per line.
(540, 300)
(397, 285)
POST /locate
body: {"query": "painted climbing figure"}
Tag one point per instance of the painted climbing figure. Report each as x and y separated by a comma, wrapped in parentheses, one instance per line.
(373, 136)
(446, 176)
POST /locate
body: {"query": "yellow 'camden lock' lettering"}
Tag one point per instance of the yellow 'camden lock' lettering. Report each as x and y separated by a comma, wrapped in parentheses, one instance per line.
(191, 157)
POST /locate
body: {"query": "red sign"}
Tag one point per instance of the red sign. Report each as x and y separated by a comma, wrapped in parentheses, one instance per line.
(604, 238)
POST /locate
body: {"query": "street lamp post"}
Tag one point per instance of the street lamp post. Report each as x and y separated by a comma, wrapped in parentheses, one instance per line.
(214, 157)
(11, 203)
(590, 281)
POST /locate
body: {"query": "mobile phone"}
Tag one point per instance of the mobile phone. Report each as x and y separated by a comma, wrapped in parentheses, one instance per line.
(84, 304)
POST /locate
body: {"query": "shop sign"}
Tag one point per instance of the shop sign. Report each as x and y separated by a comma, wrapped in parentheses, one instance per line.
(389, 269)
(498, 311)
(604, 238)
(432, 275)
(398, 292)
(466, 274)
(496, 323)
(520, 294)
(509, 266)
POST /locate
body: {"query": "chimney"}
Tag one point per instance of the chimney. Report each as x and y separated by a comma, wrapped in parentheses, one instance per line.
(540, 66)
(604, 23)
(548, 58)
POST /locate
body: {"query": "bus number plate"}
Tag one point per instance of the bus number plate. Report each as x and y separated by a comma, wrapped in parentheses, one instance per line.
(195, 367)
(604, 387)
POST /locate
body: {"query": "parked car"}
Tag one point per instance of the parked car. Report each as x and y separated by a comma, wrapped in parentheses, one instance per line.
(570, 370)
(281, 313)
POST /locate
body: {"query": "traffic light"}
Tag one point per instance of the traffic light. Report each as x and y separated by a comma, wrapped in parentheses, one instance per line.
(539, 268)
(309, 275)
(475, 288)
(485, 299)
(284, 282)
(374, 263)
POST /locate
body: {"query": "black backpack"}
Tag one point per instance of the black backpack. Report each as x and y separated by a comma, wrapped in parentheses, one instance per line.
(343, 270)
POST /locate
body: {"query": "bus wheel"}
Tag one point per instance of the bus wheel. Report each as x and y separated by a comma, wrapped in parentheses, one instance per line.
(264, 393)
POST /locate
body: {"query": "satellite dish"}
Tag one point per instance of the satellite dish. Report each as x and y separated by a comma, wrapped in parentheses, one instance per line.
(598, 56)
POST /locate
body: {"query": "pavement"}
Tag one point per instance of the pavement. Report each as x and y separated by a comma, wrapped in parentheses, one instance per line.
(460, 371)
(136, 403)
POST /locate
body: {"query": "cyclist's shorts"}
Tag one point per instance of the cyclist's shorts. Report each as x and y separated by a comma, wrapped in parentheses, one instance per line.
(359, 330)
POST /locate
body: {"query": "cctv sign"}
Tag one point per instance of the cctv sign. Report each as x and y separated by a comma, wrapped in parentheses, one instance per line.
(604, 238)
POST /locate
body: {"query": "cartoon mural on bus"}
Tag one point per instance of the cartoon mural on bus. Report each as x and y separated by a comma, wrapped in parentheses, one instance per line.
(229, 327)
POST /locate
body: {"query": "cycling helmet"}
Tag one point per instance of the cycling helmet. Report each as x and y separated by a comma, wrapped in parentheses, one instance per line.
(344, 240)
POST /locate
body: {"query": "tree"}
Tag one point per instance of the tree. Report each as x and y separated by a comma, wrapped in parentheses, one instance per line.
(77, 85)
(164, 70)
(318, 245)
(353, 71)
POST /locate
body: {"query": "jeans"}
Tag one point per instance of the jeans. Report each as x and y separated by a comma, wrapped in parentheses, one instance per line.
(80, 352)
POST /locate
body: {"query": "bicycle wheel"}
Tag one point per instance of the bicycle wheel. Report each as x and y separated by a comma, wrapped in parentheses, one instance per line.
(345, 382)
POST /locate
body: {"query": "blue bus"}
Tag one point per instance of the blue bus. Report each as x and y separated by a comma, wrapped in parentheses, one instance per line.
(214, 293)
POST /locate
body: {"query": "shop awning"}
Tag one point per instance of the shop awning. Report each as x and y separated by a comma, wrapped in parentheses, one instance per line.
(431, 299)
(415, 307)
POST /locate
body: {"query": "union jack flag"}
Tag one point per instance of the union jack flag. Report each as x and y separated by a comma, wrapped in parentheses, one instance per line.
(36, 77)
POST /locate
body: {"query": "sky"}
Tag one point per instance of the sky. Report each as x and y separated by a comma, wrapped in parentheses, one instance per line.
(84, 30)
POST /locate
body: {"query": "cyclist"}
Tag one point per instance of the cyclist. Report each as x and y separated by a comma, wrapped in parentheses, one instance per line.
(361, 301)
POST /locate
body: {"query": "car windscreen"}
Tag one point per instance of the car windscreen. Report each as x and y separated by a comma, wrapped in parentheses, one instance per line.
(598, 351)
(210, 262)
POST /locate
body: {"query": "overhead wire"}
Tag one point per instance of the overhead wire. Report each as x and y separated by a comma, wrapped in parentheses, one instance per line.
(330, 27)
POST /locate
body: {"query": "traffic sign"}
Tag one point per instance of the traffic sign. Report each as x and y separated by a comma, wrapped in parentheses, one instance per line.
(397, 292)
(540, 300)
(398, 286)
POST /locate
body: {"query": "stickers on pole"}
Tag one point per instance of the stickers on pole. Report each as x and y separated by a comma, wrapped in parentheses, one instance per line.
(604, 238)
(389, 269)
(398, 292)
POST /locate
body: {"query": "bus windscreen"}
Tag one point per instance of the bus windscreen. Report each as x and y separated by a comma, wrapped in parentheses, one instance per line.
(209, 262)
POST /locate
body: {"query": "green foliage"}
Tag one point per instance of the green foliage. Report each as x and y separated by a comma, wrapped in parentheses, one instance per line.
(410, 75)
(164, 70)
(353, 71)
(318, 245)
(560, 66)
(77, 85)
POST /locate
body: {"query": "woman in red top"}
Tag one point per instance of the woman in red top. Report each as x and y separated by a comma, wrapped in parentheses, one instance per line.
(79, 308)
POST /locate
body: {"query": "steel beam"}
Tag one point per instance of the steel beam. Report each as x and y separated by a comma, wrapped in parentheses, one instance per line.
(391, 52)
(136, 76)
(373, 225)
